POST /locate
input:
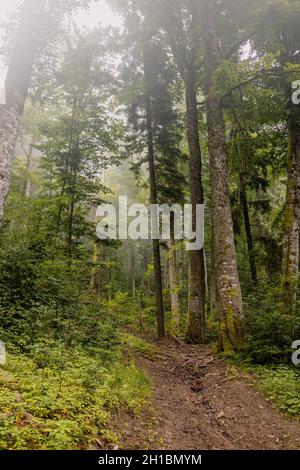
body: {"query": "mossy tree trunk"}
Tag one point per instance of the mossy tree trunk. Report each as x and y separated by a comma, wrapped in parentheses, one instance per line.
(232, 329)
(290, 257)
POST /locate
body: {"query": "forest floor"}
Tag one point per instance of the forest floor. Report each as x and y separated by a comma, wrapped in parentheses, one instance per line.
(201, 402)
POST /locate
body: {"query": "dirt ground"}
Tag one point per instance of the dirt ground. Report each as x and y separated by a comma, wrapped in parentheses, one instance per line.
(199, 402)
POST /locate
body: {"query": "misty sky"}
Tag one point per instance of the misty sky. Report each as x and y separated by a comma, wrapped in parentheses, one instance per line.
(98, 12)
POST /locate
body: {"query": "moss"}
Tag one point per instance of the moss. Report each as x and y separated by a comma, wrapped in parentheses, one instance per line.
(289, 218)
(232, 292)
(231, 331)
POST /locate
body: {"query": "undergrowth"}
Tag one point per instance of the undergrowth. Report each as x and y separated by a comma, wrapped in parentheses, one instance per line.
(57, 394)
(281, 385)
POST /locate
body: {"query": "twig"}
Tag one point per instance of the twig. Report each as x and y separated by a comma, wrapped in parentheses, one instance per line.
(238, 439)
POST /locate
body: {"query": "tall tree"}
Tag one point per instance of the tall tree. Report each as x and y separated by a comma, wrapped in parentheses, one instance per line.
(78, 141)
(153, 131)
(282, 41)
(153, 193)
(290, 256)
(16, 87)
(181, 21)
(229, 291)
(289, 39)
(40, 26)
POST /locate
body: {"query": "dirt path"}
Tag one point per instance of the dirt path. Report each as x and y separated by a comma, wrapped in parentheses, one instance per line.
(198, 403)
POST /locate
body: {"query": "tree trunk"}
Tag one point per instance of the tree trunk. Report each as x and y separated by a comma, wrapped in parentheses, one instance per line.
(27, 182)
(166, 275)
(16, 88)
(174, 287)
(155, 243)
(290, 260)
(94, 269)
(133, 271)
(70, 231)
(232, 330)
(213, 284)
(195, 329)
(99, 284)
(154, 200)
(9, 126)
(110, 277)
(186, 59)
(250, 244)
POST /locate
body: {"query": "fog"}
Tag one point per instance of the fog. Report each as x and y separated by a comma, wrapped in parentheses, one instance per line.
(98, 12)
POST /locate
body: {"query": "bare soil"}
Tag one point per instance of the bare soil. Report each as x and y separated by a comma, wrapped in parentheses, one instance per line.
(200, 402)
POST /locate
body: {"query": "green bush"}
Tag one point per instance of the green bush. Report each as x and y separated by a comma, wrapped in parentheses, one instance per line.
(269, 332)
(58, 398)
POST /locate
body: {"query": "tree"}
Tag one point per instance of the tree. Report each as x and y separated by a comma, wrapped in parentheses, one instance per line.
(78, 141)
(17, 85)
(290, 257)
(153, 194)
(39, 27)
(181, 20)
(282, 41)
(153, 131)
(232, 328)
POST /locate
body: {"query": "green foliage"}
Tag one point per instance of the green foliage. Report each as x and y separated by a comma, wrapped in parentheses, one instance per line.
(67, 300)
(59, 398)
(282, 386)
(269, 332)
(133, 345)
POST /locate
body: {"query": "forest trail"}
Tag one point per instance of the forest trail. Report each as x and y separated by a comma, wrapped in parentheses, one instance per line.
(200, 402)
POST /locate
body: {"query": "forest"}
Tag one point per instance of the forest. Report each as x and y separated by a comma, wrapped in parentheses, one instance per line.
(116, 339)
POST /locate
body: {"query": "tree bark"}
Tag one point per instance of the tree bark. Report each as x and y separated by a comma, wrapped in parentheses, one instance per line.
(174, 287)
(133, 271)
(196, 322)
(213, 285)
(290, 257)
(110, 277)
(94, 256)
(70, 231)
(27, 182)
(10, 118)
(232, 330)
(16, 88)
(154, 201)
(186, 59)
(185, 50)
(94, 269)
